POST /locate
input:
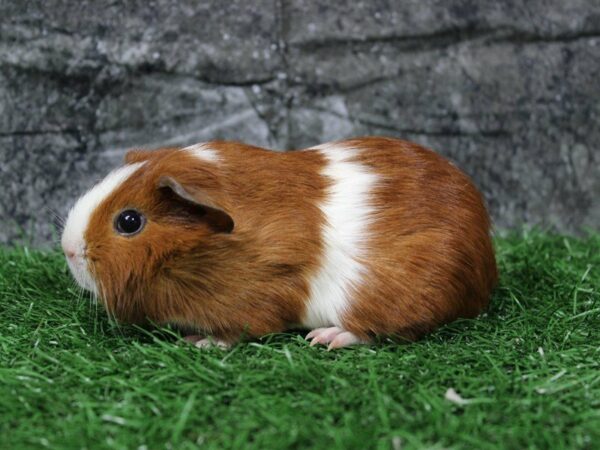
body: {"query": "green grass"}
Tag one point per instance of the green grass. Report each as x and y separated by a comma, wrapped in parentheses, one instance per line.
(530, 369)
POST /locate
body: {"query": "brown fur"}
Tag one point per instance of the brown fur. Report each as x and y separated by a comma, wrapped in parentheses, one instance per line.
(430, 257)
(430, 254)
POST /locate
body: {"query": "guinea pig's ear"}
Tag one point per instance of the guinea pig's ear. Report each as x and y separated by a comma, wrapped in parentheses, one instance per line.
(211, 211)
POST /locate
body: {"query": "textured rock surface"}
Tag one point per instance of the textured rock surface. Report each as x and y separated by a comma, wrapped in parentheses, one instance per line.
(507, 89)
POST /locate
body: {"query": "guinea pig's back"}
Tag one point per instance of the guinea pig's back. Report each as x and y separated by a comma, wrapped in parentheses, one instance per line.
(374, 235)
(428, 257)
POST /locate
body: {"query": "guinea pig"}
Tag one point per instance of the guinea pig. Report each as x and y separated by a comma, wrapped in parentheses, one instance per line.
(353, 240)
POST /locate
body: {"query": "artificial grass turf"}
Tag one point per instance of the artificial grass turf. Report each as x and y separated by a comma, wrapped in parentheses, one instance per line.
(529, 369)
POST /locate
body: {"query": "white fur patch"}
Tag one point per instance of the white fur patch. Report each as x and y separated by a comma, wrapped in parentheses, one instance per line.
(203, 151)
(347, 213)
(79, 217)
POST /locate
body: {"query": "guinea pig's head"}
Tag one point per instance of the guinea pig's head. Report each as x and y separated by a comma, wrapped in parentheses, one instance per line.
(127, 238)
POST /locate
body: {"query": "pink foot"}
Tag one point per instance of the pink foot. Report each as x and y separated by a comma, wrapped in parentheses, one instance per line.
(334, 336)
(211, 342)
(207, 342)
(192, 339)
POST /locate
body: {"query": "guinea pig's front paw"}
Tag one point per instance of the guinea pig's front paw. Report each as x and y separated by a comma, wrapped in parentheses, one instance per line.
(334, 336)
(207, 342)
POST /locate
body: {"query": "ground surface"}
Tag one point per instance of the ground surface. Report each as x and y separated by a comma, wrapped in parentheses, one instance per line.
(529, 371)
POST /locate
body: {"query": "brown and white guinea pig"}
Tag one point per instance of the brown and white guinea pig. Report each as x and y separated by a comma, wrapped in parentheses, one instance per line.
(351, 239)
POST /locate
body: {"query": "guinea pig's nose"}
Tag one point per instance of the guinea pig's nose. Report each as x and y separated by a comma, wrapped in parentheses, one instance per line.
(69, 253)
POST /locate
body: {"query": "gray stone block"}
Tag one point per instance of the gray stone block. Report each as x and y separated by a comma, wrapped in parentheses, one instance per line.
(507, 89)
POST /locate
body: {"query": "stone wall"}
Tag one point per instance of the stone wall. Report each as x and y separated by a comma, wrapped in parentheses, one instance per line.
(507, 89)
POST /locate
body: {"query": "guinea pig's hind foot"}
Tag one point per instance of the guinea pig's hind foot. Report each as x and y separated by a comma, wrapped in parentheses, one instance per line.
(334, 336)
(207, 342)
(192, 339)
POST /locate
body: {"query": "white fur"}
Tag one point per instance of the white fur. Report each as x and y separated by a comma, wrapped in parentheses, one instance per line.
(73, 237)
(203, 151)
(347, 213)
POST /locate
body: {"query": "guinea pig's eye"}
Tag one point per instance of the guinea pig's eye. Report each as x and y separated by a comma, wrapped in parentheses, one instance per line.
(129, 222)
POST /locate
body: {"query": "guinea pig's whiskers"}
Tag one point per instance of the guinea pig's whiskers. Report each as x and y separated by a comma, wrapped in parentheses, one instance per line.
(93, 308)
(110, 312)
(57, 220)
(116, 322)
(75, 288)
(81, 293)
